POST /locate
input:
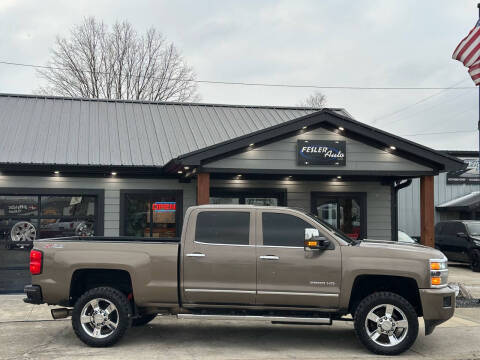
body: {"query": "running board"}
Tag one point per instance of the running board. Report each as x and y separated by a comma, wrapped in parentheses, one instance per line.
(273, 319)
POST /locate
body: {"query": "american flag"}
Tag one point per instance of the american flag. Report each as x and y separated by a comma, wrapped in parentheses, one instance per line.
(468, 52)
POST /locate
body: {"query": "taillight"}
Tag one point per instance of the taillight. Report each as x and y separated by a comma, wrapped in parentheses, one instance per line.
(35, 262)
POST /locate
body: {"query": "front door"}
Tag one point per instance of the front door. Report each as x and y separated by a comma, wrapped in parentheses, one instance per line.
(344, 211)
(287, 274)
(219, 265)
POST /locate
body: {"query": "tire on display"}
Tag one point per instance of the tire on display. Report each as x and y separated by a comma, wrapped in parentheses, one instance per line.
(143, 320)
(101, 316)
(386, 323)
(476, 260)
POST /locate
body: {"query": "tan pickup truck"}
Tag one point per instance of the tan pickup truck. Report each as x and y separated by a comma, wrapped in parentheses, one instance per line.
(273, 264)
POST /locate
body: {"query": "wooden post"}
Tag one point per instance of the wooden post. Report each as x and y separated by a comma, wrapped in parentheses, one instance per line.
(203, 188)
(427, 215)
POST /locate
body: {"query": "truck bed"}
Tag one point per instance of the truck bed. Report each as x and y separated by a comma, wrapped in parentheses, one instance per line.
(151, 264)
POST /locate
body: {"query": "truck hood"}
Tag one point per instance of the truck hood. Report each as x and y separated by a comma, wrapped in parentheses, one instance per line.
(400, 248)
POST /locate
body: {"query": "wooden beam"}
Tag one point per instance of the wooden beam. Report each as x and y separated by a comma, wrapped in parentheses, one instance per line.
(203, 188)
(427, 211)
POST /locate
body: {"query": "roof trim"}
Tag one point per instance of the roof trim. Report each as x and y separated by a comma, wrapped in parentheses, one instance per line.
(438, 161)
(52, 97)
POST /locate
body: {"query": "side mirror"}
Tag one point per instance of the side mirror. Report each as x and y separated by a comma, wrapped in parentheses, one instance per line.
(461, 235)
(317, 243)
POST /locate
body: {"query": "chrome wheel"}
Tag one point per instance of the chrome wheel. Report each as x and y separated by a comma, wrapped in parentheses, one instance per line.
(23, 231)
(99, 318)
(386, 325)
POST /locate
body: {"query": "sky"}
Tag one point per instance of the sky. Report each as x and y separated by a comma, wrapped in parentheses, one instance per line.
(366, 43)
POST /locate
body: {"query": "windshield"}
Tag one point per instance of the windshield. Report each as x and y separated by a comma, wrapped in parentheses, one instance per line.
(474, 228)
(334, 230)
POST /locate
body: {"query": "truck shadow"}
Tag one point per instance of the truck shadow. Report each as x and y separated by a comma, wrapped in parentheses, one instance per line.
(245, 335)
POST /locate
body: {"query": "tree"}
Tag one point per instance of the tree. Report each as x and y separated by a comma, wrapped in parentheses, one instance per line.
(117, 63)
(315, 100)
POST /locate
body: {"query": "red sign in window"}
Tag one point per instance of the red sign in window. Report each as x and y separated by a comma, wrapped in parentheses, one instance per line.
(164, 206)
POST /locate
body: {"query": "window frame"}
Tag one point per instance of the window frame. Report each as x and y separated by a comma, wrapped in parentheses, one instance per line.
(151, 193)
(98, 194)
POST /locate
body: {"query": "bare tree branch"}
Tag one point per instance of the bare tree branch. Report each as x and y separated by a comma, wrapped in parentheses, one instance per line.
(117, 63)
(315, 100)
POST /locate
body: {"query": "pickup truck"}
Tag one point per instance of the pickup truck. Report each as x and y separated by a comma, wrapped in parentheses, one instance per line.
(242, 262)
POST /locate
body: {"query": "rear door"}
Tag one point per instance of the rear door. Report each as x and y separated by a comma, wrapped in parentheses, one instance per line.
(287, 274)
(219, 265)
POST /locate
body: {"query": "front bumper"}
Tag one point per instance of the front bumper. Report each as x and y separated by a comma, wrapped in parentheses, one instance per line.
(34, 294)
(438, 306)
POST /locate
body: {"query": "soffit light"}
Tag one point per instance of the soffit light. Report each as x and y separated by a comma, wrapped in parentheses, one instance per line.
(341, 128)
(56, 172)
(113, 173)
(392, 147)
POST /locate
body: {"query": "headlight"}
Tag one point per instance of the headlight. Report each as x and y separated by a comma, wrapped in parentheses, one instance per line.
(438, 273)
(476, 242)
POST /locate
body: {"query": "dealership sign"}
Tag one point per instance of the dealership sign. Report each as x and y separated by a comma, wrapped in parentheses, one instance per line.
(469, 175)
(321, 152)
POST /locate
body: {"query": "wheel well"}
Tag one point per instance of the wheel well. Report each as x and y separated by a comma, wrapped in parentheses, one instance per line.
(365, 285)
(86, 279)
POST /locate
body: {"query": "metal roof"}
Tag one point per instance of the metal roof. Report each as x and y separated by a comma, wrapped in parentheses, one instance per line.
(71, 131)
(462, 203)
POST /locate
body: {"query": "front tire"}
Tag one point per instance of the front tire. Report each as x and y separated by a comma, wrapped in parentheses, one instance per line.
(386, 323)
(101, 316)
(476, 260)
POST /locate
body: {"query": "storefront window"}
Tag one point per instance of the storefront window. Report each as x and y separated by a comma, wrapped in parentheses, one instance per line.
(261, 197)
(26, 218)
(343, 211)
(155, 214)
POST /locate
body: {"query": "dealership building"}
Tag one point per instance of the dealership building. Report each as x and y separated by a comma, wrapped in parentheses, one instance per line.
(456, 195)
(83, 167)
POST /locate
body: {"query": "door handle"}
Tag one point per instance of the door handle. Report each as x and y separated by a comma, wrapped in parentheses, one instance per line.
(196, 255)
(269, 257)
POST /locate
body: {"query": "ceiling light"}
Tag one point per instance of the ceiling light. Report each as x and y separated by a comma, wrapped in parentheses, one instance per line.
(239, 175)
(251, 144)
(304, 127)
(339, 177)
(392, 147)
(113, 173)
(341, 128)
(186, 167)
(180, 171)
(56, 172)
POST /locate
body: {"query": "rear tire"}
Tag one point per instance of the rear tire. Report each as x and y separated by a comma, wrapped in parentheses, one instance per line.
(476, 260)
(386, 323)
(101, 316)
(143, 320)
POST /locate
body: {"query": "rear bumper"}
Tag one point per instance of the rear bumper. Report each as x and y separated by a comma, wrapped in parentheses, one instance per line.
(438, 306)
(34, 294)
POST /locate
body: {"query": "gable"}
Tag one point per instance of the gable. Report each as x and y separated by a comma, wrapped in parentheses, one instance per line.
(281, 156)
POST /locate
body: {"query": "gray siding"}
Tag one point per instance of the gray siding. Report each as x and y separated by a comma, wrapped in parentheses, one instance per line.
(282, 155)
(112, 187)
(298, 195)
(409, 202)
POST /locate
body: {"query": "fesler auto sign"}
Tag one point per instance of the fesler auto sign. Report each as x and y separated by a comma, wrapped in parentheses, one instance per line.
(321, 152)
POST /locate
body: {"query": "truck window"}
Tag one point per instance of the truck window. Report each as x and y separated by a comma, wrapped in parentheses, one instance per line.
(283, 230)
(223, 227)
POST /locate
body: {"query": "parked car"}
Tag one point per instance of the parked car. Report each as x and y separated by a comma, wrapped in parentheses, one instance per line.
(405, 238)
(245, 262)
(459, 240)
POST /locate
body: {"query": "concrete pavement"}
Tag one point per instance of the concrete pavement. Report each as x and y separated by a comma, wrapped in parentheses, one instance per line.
(27, 332)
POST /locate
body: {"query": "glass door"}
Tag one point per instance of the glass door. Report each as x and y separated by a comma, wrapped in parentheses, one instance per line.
(344, 211)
